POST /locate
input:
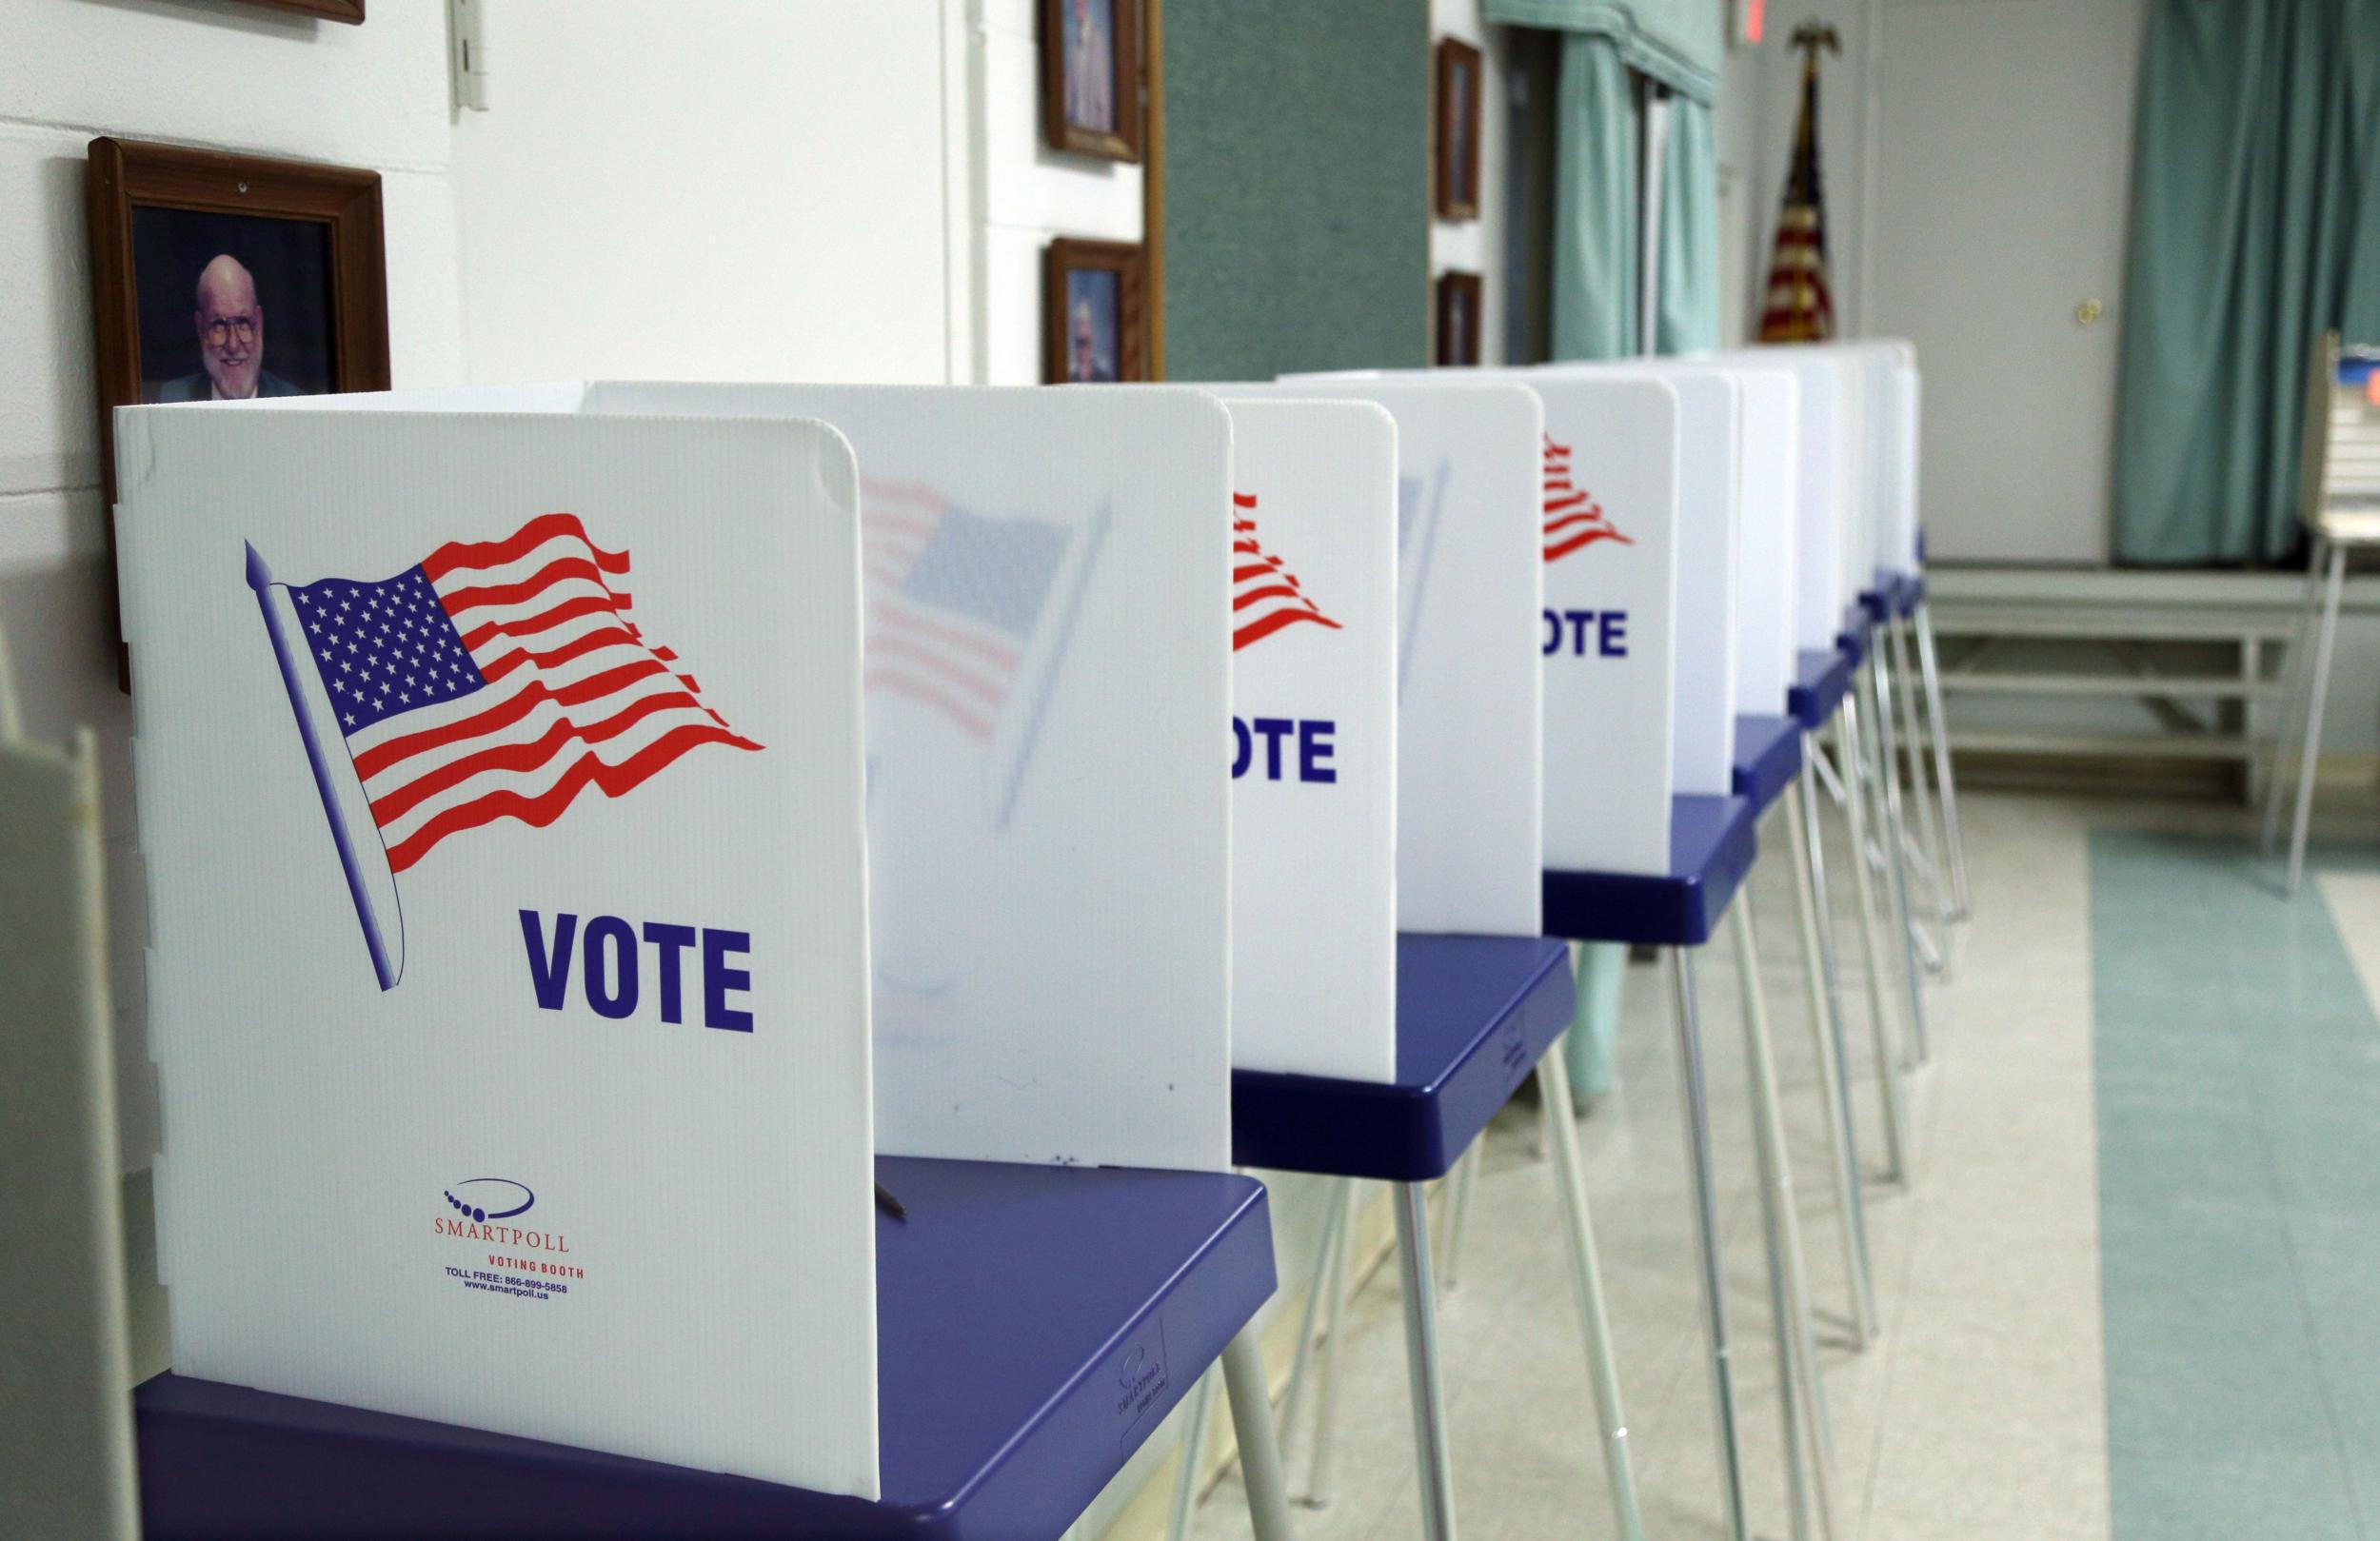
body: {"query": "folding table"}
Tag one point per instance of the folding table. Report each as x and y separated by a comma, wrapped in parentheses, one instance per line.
(1035, 1324)
(1475, 1015)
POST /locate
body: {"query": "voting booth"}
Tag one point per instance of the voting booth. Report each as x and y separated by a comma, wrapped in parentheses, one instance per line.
(598, 833)
(1611, 511)
(1468, 588)
(1314, 737)
(1828, 478)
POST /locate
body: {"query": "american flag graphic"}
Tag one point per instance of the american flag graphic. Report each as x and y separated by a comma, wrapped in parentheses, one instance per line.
(954, 600)
(1265, 594)
(497, 680)
(1800, 306)
(1573, 520)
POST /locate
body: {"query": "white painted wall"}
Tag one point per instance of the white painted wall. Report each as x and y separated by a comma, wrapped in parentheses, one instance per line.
(219, 75)
(1475, 245)
(747, 190)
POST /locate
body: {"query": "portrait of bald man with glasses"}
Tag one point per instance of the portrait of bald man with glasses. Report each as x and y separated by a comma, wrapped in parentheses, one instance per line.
(230, 322)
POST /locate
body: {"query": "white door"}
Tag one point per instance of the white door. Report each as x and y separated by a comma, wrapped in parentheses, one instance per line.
(2003, 177)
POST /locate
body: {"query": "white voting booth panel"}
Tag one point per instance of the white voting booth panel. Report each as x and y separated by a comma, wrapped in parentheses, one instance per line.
(1469, 591)
(1049, 686)
(1608, 543)
(1765, 664)
(500, 792)
(1826, 476)
(1313, 738)
(1710, 481)
(1905, 552)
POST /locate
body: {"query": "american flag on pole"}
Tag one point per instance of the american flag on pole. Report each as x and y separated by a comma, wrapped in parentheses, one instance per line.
(494, 679)
(1573, 520)
(1800, 305)
(1266, 596)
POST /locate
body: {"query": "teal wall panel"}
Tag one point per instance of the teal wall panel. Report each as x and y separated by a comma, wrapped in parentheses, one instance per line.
(1296, 185)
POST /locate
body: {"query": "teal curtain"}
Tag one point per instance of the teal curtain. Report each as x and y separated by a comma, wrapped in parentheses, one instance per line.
(1687, 319)
(1594, 203)
(2255, 226)
(1680, 44)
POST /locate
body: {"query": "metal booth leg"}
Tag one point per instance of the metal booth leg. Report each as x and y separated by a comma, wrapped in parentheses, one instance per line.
(1193, 1457)
(1826, 1033)
(2317, 697)
(1888, 1059)
(2296, 673)
(1938, 726)
(1809, 1451)
(1301, 1371)
(1251, 1422)
(1895, 868)
(1706, 1239)
(1586, 1277)
(1338, 1286)
(1432, 1455)
(1929, 837)
(1458, 1211)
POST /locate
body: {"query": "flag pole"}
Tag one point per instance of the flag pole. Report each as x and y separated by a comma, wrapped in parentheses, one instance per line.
(284, 649)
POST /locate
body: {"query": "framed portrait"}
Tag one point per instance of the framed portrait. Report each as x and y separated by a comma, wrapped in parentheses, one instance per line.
(1093, 321)
(217, 276)
(1458, 318)
(1091, 77)
(346, 11)
(1460, 77)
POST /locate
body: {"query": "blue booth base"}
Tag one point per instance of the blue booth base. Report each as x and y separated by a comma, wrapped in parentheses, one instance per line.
(1474, 1015)
(1768, 757)
(1034, 1324)
(1820, 682)
(1711, 848)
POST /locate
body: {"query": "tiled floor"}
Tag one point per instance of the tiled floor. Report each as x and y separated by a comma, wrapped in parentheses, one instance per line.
(2194, 1351)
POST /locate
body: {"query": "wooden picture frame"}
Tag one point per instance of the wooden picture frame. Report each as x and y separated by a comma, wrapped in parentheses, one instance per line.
(350, 11)
(1461, 82)
(345, 325)
(1078, 115)
(1461, 311)
(1094, 312)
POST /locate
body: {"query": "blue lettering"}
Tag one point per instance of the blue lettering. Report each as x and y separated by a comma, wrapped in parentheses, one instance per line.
(611, 988)
(549, 971)
(1313, 751)
(1273, 729)
(1610, 628)
(718, 979)
(669, 944)
(1310, 739)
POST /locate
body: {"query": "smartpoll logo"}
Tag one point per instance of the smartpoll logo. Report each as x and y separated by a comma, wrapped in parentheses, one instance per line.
(478, 1193)
(493, 679)
(1267, 599)
(527, 1264)
(1574, 521)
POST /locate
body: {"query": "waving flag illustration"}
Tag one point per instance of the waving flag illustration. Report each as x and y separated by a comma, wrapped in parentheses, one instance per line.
(1419, 504)
(1573, 520)
(969, 617)
(494, 679)
(1265, 594)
